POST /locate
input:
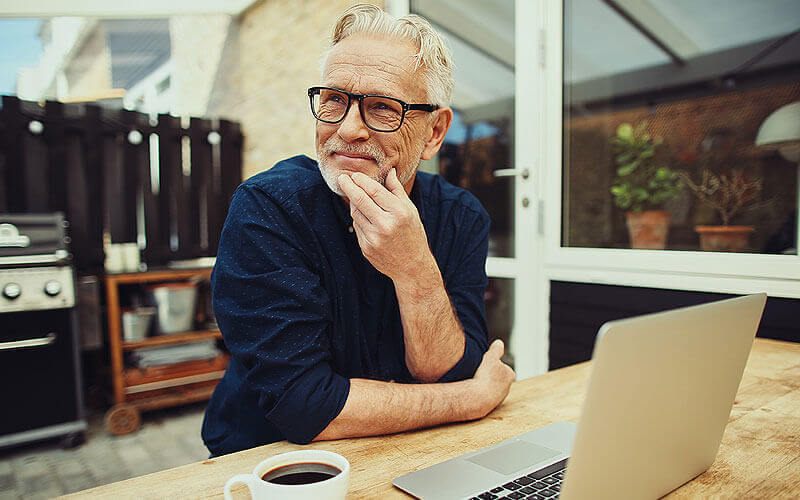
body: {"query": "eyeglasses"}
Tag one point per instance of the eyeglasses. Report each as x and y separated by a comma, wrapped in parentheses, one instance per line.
(379, 112)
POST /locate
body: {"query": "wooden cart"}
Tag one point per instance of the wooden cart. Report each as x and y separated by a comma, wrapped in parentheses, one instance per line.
(143, 389)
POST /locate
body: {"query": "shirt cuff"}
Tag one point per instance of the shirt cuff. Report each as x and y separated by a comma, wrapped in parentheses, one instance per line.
(466, 366)
(310, 404)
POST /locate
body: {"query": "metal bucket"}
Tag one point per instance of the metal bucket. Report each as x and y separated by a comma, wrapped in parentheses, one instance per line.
(136, 323)
(175, 306)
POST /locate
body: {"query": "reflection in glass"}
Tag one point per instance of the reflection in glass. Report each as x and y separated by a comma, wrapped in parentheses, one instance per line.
(499, 299)
(469, 157)
(701, 92)
(480, 141)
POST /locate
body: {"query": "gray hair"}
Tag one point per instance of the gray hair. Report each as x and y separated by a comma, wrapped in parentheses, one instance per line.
(432, 53)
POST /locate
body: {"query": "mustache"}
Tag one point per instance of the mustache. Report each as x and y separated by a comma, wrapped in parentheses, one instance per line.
(334, 145)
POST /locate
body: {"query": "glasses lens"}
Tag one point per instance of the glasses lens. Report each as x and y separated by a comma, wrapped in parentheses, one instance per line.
(329, 105)
(382, 113)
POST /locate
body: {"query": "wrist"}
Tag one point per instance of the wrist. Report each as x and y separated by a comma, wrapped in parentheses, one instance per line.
(421, 280)
(473, 396)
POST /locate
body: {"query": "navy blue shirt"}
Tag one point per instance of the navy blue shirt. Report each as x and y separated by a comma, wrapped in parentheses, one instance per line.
(302, 311)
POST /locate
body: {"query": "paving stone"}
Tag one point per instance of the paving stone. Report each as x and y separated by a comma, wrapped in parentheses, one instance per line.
(9, 495)
(45, 470)
(34, 485)
(7, 482)
(43, 494)
(29, 466)
(105, 465)
(137, 458)
(76, 482)
(69, 466)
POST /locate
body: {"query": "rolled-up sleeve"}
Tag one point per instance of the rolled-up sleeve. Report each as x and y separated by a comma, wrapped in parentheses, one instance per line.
(275, 316)
(465, 282)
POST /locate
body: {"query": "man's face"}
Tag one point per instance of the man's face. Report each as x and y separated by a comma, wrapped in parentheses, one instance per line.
(367, 65)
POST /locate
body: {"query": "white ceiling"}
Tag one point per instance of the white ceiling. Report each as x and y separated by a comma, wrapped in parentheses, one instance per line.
(598, 41)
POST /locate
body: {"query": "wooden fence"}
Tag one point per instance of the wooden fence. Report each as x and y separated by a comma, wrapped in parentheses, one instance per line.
(115, 172)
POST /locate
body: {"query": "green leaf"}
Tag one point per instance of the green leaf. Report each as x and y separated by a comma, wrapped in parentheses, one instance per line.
(624, 158)
(627, 169)
(625, 131)
(639, 194)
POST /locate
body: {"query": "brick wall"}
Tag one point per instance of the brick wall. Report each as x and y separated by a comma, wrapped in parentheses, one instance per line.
(269, 59)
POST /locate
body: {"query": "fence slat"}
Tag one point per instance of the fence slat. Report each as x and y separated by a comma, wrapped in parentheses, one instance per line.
(57, 158)
(201, 179)
(14, 168)
(95, 177)
(230, 173)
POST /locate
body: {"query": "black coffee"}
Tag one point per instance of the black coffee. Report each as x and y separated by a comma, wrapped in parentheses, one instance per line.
(301, 473)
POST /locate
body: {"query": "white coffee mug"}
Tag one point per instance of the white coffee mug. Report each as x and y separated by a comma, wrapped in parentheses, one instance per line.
(333, 488)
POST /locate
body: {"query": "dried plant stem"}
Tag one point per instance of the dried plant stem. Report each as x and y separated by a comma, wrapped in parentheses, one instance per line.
(728, 194)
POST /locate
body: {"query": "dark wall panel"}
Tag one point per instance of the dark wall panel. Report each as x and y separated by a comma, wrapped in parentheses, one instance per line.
(577, 310)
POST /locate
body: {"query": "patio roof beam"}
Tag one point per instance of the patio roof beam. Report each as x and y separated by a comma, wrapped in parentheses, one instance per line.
(116, 9)
(635, 13)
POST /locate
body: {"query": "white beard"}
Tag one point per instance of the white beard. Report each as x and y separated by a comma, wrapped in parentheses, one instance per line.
(331, 174)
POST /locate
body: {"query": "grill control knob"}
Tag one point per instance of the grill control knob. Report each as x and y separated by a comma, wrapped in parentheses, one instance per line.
(11, 291)
(52, 288)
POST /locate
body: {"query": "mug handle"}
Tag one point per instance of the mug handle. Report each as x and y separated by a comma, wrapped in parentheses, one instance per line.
(238, 478)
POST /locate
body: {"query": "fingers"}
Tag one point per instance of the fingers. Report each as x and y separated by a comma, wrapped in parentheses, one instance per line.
(393, 184)
(359, 198)
(379, 194)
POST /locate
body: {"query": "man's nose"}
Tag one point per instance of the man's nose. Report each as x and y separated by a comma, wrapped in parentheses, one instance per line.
(352, 127)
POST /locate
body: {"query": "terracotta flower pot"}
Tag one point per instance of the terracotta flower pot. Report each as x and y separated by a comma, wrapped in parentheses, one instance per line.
(648, 229)
(724, 238)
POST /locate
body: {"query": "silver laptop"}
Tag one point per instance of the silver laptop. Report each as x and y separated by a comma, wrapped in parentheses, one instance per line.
(659, 397)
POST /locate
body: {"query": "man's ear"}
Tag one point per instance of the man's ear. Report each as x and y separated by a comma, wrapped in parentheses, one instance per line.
(436, 132)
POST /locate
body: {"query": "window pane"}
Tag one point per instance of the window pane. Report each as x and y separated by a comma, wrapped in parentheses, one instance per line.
(481, 139)
(679, 106)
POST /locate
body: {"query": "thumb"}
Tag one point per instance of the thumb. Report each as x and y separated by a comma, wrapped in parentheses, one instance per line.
(393, 183)
(497, 348)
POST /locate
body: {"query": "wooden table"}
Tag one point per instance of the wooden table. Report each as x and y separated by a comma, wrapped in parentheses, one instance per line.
(759, 456)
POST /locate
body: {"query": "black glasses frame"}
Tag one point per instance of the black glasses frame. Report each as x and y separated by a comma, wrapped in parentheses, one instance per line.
(312, 91)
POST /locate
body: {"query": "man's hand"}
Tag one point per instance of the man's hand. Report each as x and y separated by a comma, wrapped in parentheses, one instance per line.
(387, 224)
(492, 379)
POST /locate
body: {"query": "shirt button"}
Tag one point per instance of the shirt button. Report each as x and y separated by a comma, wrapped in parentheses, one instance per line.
(350, 229)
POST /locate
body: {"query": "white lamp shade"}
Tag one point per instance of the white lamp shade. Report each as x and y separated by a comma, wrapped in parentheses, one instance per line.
(781, 130)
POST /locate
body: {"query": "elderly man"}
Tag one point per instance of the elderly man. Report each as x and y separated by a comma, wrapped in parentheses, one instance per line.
(350, 291)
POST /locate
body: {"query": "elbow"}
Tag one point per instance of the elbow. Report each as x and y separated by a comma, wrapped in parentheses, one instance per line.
(426, 374)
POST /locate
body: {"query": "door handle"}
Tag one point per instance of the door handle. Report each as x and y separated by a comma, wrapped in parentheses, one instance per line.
(511, 172)
(19, 344)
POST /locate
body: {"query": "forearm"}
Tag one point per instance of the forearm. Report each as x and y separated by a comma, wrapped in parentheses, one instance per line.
(433, 337)
(374, 408)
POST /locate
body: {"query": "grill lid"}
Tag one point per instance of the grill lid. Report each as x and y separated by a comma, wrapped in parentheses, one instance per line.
(33, 238)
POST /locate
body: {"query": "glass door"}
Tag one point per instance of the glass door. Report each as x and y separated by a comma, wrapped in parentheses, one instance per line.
(481, 153)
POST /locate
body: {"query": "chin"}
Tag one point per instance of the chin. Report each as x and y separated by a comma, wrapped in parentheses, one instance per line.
(330, 176)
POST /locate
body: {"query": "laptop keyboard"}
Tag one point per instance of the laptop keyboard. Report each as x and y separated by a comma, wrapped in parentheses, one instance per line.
(544, 484)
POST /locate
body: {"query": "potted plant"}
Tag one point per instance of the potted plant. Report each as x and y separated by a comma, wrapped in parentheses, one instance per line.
(729, 195)
(642, 185)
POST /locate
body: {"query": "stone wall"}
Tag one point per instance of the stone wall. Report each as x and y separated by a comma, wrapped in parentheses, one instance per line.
(270, 57)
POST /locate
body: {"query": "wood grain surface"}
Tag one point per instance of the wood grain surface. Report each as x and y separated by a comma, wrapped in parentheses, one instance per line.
(759, 456)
